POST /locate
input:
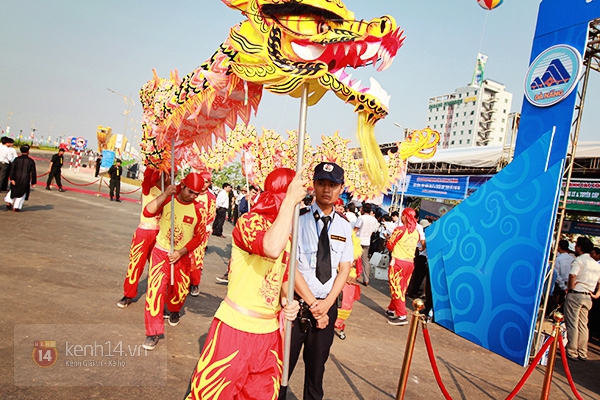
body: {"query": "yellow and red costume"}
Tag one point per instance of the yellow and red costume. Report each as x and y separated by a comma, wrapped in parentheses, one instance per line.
(208, 206)
(351, 290)
(190, 228)
(402, 244)
(144, 237)
(242, 355)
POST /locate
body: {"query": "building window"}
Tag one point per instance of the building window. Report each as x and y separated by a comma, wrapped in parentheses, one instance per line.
(459, 95)
(429, 119)
(503, 119)
(501, 129)
(462, 132)
(467, 94)
(465, 114)
(499, 139)
(468, 141)
(443, 116)
(504, 111)
(457, 114)
(460, 142)
(473, 112)
(469, 131)
(436, 117)
(463, 122)
(471, 122)
(455, 124)
(506, 100)
(452, 142)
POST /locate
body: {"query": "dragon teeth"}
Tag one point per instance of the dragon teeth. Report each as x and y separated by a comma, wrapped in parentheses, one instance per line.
(372, 50)
(309, 52)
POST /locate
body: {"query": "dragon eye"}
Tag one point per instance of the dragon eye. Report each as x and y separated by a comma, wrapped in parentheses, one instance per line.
(322, 27)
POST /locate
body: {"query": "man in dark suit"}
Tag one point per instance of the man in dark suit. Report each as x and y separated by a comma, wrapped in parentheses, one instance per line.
(56, 164)
(115, 172)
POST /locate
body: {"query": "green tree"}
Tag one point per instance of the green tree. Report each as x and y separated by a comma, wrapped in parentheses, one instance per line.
(231, 174)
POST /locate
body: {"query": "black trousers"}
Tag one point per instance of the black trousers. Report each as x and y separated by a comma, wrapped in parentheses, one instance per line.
(418, 275)
(219, 221)
(317, 343)
(4, 170)
(115, 186)
(54, 174)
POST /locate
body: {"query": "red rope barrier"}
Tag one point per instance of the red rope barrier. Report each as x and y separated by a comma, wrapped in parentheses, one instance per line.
(433, 363)
(42, 175)
(133, 191)
(563, 355)
(79, 184)
(532, 366)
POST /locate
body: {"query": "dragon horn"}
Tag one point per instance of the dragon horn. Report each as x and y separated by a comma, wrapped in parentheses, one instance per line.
(175, 76)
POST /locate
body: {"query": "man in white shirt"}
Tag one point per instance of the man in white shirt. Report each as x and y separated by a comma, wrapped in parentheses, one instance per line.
(222, 206)
(7, 155)
(582, 287)
(562, 267)
(364, 227)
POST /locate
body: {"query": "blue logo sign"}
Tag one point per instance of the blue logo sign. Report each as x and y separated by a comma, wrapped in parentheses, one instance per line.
(553, 75)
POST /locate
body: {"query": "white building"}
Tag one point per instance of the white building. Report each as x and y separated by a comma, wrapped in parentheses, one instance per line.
(471, 116)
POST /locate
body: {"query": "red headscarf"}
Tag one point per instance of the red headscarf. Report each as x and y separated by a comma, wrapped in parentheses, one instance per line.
(276, 186)
(339, 202)
(194, 181)
(151, 177)
(411, 219)
(207, 176)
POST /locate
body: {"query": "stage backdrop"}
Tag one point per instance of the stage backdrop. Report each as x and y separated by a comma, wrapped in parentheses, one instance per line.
(487, 256)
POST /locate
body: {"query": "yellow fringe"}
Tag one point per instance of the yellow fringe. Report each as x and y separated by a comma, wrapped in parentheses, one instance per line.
(373, 160)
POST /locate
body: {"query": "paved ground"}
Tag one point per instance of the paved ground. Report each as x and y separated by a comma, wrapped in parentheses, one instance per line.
(61, 275)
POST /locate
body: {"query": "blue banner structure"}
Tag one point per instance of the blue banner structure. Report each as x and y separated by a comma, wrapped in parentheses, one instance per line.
(436, 186)
(108, 158)
(487, 256)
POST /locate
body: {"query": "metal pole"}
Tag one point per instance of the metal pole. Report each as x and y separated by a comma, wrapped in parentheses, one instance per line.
(418, 305)
(558, 317)
(562, 205)
(172, 209)
(294, 250)
(403, 187)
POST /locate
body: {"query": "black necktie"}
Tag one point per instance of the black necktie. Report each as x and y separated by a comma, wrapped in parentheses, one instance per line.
(324, 253)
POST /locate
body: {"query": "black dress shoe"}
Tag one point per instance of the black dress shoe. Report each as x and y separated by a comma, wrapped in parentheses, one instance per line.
(61, 190)
(48, 188)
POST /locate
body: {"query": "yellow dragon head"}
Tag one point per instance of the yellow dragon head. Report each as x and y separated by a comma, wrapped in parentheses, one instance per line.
(286, 43)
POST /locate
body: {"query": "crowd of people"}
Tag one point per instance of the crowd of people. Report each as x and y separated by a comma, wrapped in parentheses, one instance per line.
(332, 254)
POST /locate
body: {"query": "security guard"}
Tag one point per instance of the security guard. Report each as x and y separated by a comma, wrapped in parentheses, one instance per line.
(325, 254)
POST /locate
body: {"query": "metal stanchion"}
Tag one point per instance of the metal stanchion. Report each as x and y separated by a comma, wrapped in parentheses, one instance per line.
(558, 318)
(99, 186)
(418, 305)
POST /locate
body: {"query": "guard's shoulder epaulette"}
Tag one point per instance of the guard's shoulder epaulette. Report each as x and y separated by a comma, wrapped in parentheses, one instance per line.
(304, 210)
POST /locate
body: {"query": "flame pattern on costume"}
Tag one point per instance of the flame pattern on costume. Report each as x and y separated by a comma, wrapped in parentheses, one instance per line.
(254, 224)
(210, 383)
(183, 288)
(277, 379)
(153, 298)
(269, 289)
(135, 253)
(396, 284)
(280, 49)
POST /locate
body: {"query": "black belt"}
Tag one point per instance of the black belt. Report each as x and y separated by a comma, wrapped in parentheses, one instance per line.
(222, 208)
(575, 291)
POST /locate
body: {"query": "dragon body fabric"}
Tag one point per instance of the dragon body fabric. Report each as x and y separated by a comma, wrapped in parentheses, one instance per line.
(282, 45)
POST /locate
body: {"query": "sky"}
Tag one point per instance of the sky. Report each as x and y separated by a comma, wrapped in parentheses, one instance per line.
(58, 58)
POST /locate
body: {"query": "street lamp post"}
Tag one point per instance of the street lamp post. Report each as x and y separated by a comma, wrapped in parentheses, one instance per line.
(130, 104)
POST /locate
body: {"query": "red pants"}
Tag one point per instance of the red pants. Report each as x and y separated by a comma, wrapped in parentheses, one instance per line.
(399, 275)
(238, 365)
(351, 294)
(141, 245)
(197, 257)
(160, 289)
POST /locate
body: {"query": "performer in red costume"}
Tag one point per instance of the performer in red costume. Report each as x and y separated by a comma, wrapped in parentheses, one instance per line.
(402, 244)
(351, 290)
(208, 205)
(190, 228)
(242, 355)
(143, 240)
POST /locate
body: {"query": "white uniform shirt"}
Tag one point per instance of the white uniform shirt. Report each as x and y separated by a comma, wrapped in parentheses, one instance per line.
(7, 154)
(366, 224)
(223, 199)
(587, 271)
(562, 268)
(340, 241)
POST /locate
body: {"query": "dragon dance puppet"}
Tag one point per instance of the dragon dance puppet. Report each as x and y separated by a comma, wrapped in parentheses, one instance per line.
(282, 45)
